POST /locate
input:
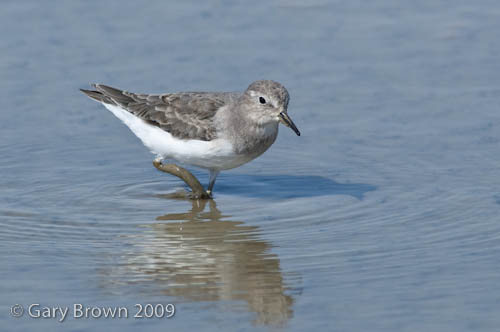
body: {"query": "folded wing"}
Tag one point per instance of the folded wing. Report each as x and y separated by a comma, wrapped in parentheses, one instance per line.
(186, 115)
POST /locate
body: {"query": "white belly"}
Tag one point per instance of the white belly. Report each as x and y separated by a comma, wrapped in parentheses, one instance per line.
(217, 154)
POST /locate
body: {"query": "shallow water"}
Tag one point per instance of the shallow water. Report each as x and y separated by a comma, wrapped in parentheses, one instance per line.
(382, 216)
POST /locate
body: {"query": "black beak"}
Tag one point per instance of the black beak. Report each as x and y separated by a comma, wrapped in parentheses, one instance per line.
(288, 122)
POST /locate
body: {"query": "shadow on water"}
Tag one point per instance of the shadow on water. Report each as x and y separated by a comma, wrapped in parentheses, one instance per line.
(288, 186)
(201, 256)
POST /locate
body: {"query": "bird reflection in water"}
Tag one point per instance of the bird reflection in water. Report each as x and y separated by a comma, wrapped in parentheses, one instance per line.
(200, 256)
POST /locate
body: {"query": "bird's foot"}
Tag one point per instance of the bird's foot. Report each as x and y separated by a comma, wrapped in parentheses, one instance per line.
(198, 192)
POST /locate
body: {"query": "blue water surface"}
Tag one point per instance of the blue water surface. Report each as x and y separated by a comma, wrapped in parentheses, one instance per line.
(382, 216)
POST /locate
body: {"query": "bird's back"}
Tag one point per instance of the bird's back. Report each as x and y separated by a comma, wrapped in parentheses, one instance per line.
(185, 115)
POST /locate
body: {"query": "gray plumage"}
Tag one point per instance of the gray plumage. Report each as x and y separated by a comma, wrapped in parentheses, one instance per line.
(185, 115)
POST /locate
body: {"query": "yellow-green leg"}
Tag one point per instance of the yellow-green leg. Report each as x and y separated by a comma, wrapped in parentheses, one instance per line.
(198, 192)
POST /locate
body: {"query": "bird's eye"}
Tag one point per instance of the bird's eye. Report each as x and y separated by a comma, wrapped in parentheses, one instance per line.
(262, 100)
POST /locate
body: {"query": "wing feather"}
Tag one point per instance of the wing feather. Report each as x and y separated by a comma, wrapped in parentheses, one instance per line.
(185, 115)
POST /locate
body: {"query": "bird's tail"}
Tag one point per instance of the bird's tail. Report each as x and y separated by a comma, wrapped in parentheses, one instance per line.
(108, 95)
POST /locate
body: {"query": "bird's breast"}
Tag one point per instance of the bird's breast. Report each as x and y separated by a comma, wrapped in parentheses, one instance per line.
(257, 140)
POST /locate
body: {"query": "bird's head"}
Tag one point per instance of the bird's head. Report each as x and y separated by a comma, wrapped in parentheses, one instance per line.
(271, 99)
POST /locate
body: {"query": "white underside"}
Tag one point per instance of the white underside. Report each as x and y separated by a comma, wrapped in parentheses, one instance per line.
(217, 154)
